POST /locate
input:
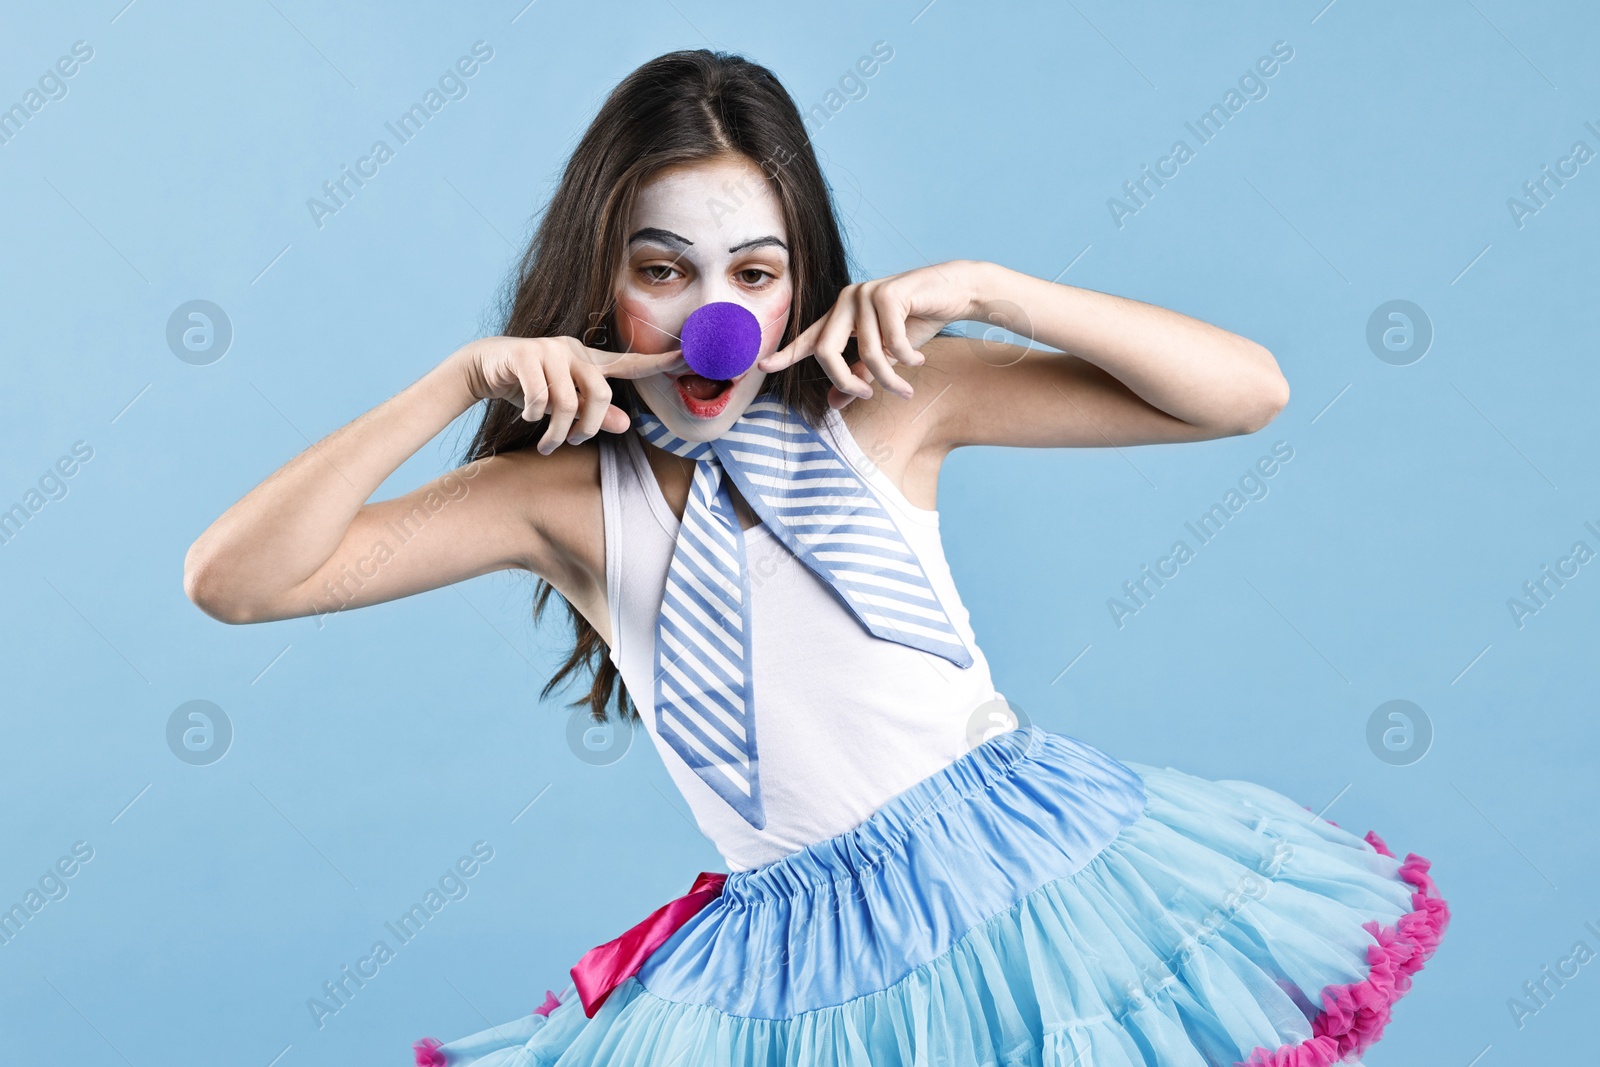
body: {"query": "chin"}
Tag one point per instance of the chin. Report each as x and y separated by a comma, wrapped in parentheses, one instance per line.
(699, 419)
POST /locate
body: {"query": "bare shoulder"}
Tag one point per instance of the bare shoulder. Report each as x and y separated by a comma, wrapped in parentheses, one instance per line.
(901, 437)
(559, 495)
(516, 510)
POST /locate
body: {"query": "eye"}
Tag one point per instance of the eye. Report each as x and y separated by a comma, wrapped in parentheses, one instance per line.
(649, 271)
(755, 277)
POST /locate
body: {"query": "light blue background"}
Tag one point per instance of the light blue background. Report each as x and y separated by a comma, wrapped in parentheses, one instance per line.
(371, 753)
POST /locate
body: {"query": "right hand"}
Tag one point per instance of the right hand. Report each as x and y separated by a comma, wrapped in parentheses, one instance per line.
(558, 375)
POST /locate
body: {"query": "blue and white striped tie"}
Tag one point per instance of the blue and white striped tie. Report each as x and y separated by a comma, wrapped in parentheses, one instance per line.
(814, 502)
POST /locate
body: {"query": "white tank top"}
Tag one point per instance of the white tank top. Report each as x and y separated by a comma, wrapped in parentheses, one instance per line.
(846, 720)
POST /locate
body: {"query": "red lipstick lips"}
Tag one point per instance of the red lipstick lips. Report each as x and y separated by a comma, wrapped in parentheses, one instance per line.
(704, 398)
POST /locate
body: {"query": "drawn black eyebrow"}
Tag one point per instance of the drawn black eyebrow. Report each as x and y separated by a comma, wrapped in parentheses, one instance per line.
(655, 233)
(759, 242)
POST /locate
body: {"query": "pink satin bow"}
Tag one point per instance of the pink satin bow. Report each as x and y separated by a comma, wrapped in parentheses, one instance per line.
(604, 967)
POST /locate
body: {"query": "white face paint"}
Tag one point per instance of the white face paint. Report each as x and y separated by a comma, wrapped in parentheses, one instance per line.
(701, 233)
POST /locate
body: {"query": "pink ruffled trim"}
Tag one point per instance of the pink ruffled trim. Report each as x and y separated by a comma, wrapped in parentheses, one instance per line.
(430, 1053)
(551, 1003)
(1353, 1016)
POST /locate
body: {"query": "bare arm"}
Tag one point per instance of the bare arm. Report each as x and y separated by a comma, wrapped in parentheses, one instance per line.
(305, 541)
(1127, 372)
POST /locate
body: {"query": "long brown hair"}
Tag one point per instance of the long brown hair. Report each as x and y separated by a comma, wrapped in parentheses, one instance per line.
(682, 107)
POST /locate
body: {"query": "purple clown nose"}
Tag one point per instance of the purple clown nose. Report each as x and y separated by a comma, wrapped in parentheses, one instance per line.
(721, 340)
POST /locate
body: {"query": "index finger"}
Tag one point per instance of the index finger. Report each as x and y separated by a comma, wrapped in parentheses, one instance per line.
(637, 364)
(809, 344)
(794, 351)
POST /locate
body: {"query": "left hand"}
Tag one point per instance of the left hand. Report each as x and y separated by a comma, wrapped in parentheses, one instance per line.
(889, 318)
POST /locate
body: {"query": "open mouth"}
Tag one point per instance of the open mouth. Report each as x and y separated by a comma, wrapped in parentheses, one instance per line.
(703, 397)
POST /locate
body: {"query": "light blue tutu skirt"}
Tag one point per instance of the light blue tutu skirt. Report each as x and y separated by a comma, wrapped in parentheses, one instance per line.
(1034, 903)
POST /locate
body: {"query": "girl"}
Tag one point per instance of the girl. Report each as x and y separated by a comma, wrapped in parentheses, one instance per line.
(905, 884)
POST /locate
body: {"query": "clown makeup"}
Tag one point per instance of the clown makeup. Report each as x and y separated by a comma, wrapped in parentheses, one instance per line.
(700, 233)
